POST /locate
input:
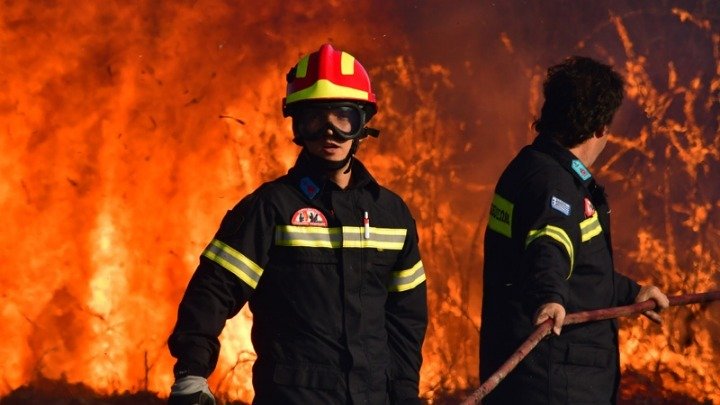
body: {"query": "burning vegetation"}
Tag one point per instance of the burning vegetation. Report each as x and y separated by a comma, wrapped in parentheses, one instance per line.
(128, 131)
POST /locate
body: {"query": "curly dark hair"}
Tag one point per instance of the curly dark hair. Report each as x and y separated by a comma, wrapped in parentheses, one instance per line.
(581, 96)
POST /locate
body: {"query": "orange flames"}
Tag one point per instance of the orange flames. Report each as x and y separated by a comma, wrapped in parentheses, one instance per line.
(128, 130)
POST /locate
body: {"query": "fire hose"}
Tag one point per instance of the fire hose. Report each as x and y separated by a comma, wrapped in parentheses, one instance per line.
(544, 328)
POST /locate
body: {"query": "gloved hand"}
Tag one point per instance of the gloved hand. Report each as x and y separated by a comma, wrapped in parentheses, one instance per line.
(191, 390)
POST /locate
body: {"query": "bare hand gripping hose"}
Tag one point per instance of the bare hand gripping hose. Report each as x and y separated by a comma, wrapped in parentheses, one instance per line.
(544, 328)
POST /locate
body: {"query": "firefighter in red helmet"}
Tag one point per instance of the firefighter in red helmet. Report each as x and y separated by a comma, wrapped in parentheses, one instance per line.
(329, 92)
(326, 258)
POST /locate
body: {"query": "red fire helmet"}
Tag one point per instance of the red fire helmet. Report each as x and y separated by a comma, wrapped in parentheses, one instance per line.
(331, 75)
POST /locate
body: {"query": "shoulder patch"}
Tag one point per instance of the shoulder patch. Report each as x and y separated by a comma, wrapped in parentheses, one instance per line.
(308, 187)
(501, 213)
(560, 205)
(580, 169)
(309, 217)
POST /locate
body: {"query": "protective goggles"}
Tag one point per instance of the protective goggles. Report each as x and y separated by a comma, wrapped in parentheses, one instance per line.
(346, 120)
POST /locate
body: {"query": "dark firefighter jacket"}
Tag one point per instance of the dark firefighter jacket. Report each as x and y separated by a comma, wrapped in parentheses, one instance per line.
(339, 314)
(548, 240)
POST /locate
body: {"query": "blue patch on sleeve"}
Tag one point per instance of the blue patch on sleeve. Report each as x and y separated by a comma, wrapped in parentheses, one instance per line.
(580, 169)
(560, 205)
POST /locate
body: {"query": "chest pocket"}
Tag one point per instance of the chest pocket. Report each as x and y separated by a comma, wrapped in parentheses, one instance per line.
(378, 247)
(590, 374)
(382, 258)
(380, 264)
(383, 246)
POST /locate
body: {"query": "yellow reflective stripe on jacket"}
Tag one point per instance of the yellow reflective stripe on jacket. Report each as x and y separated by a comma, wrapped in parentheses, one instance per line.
(590, 228)
(234, 262)
(345, 237)
(501, 213)
(559, 235)
(308, 236)
(407, 279)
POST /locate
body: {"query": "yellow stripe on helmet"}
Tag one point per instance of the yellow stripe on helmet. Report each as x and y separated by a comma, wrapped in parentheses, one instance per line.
(324, 88)
(302, 67)
(347, 64)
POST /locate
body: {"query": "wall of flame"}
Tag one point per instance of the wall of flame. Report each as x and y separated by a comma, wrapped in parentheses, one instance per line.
(127, 130)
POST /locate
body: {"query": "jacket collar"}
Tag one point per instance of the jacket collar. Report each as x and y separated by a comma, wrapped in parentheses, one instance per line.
(312, 182)
(562, 155)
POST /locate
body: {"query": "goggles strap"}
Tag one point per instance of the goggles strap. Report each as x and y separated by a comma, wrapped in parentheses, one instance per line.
(371, 132)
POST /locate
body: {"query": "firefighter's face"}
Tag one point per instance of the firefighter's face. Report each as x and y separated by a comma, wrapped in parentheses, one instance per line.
(596, 145)
(329, 146)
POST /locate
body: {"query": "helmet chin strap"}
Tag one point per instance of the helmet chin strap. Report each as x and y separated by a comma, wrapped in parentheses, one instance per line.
(351, 153)
(325, 165)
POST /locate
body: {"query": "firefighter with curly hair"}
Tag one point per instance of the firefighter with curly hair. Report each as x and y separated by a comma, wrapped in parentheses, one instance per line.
(548, 251)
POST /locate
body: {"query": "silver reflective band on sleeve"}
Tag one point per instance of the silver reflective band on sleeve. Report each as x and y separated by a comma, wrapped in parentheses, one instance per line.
(345, 237)
(234, 262)
(407, 279)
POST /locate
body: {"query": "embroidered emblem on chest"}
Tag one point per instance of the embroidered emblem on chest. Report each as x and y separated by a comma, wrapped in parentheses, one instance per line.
(309, 217)
(580, 169)
(589, 208)
(560, 205)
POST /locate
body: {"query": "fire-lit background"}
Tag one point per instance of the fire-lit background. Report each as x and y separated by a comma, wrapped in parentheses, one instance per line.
(127, 129)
